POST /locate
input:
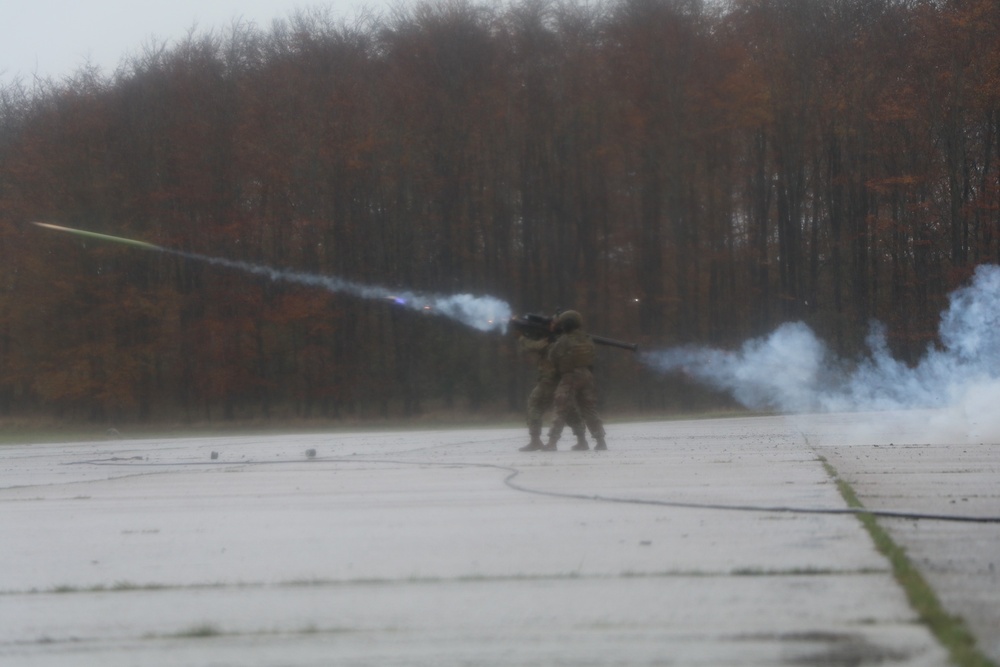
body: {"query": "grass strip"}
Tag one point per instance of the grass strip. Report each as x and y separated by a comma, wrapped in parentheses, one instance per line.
(950, 630)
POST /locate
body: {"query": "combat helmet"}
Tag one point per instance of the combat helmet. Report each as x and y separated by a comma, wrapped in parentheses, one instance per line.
(569, 320)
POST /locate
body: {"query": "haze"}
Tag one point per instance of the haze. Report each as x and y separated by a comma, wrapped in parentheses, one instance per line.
(55, 39)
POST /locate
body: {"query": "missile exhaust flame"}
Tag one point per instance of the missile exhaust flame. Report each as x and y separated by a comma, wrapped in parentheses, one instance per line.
(478, 312)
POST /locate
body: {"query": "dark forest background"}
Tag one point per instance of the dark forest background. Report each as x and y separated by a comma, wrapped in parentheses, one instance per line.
(678, 171)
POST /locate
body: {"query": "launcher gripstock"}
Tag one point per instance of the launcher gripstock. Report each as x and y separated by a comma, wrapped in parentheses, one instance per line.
(538, 326)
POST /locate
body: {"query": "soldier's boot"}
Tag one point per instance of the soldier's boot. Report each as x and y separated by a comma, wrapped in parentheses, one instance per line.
(581, 443)
(536, 440)
(601, 445)
(550, 446)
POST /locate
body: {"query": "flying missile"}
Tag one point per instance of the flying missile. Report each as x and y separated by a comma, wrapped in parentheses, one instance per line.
(101, 237)
(468, 309)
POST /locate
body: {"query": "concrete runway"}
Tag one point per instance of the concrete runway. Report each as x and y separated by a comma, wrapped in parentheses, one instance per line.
(682, 545)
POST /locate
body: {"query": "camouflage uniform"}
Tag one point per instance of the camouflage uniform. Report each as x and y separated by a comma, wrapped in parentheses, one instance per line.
(542, 396)
(575, 399)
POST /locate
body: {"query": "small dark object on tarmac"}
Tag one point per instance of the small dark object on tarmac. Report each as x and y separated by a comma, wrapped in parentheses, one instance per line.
(311, 453)
(215, 455)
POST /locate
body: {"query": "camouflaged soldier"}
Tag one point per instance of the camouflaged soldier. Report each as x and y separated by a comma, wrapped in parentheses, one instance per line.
(573, 355)
(542, 397)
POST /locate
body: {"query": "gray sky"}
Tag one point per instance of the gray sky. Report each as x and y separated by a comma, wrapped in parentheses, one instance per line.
(54, 38)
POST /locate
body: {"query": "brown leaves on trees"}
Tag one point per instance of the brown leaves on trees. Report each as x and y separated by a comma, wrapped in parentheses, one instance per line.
(679, 171)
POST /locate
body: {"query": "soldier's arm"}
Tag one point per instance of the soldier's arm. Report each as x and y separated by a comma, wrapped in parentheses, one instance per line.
(557, 348)
(530, 345)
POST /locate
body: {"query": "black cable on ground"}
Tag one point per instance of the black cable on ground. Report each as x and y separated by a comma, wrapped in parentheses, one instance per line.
(514, 472)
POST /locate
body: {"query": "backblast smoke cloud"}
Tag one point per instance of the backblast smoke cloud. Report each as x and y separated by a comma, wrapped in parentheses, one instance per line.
(792, 371)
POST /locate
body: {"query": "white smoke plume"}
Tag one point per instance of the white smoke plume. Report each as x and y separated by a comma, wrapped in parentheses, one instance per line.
(792, 371)
(485, 313)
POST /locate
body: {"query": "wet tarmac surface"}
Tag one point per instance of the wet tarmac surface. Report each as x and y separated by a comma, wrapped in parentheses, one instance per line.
(709, 542)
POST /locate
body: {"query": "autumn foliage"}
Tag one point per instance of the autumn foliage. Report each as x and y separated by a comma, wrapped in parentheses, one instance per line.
(679, 171)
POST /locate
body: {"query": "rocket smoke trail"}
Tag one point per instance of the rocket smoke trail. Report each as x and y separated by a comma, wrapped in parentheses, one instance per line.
(484, 313)
(792, 371)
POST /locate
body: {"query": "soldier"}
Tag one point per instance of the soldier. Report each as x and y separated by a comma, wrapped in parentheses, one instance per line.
(543, 395)
(575, 398)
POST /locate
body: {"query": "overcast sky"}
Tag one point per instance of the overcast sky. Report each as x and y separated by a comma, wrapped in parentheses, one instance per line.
(54, 38)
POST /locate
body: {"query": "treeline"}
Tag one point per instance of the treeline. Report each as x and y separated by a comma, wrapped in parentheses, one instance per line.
(679, 171)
